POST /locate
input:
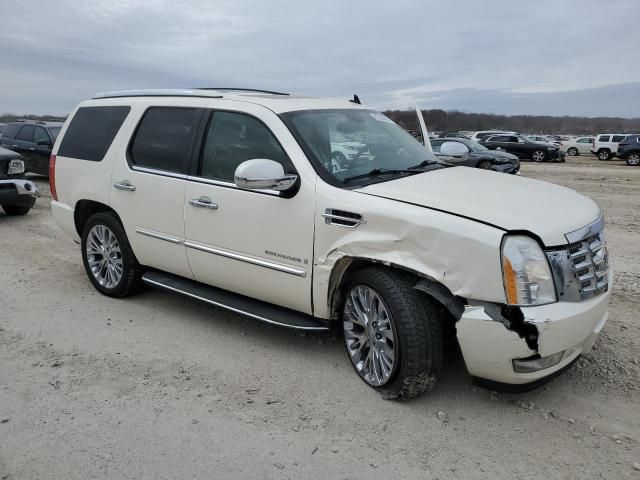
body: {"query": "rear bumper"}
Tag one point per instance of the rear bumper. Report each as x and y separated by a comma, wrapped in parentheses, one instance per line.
(16, 191)
(565, 329)
(63, 214)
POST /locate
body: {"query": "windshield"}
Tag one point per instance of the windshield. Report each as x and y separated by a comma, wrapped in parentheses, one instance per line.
(54, 131)
(349, 143)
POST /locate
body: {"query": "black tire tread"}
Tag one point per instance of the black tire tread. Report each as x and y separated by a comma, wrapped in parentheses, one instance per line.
(418, 328)
(132, 273)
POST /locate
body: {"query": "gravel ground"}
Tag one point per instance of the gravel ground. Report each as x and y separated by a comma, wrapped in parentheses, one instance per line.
(159, 386)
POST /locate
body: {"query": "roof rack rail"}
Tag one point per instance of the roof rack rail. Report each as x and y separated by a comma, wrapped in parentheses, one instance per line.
(160, 92)
(233, 89)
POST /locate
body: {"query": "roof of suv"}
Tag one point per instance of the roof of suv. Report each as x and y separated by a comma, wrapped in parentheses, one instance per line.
(276, 101)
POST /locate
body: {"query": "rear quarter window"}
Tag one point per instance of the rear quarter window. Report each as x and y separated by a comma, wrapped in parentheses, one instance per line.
(91, 132)
(10, 130)
(618, 138)
(164, 138)
(604, 138)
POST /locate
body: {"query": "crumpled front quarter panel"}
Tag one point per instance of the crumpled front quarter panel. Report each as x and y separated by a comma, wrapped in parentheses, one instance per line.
(462, 254)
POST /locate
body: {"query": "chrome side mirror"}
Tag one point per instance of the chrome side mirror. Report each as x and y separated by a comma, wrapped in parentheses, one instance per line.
(454, 149)
(263, 174)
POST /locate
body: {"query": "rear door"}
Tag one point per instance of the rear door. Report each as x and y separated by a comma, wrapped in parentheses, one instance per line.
(584, 144)
(256, 243)
(615, 139)
(148, 184)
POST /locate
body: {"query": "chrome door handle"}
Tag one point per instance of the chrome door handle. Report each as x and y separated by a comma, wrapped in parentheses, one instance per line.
(124, 185)
(203, 202)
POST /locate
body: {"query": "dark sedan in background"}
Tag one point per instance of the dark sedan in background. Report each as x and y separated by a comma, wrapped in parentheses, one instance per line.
(524, 148)
(462, 151)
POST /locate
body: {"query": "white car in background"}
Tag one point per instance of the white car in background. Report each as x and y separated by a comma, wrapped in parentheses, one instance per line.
(484, 134)
(578, 146)
(543, 139)
(605, 145)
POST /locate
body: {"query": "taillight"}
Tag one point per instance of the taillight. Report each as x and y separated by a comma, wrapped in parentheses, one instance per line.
(52, 177)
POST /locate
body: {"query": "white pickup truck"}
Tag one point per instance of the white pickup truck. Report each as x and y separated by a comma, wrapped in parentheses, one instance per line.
(230, 197)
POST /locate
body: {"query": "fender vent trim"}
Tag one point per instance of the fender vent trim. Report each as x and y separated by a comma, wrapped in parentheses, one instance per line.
(342, 218)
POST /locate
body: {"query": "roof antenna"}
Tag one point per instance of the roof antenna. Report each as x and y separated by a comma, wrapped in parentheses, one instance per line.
(356, 99)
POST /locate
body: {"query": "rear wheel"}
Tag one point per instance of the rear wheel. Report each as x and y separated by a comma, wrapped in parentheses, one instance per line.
(538, 156)
(108, 258)
(572, 152)
(392, 333)
(15, 210)
(633, 159)
(604, 154)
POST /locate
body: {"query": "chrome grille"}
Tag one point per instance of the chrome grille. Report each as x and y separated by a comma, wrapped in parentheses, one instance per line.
(591, 265)
(581, 270)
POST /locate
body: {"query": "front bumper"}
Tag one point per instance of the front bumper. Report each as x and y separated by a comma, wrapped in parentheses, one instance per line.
(489, 348)
(506, 167)
(17, 191)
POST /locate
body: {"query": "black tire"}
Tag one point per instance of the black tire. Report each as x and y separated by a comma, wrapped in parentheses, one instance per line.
(539, 156)
(16, 210)
(418, 330)
(633, 159)
(484, 165)
(604, 154)
(130, 281)
(573, 152)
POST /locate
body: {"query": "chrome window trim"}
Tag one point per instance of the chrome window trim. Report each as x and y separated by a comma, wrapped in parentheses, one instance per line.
(220, 183)
(153, 171)
(247, 259)
(159, 236)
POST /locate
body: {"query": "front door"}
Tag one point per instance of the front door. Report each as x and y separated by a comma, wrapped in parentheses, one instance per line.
(41, 152)
(148, 185)
(256, 243)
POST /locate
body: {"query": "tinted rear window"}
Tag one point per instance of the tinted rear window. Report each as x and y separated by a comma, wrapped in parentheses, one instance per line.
(618, 138)
(164, 138)
(91, 132)
(603, 138)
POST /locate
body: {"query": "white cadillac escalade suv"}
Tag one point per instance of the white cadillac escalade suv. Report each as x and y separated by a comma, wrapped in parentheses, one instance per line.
(231, 197)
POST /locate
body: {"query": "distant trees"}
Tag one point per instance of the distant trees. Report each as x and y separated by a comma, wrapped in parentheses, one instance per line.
(454, 121)
(12, 117)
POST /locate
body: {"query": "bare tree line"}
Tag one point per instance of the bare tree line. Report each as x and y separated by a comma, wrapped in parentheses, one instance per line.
(454, 121)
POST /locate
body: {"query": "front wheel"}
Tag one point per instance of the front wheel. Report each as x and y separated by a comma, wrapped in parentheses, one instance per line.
(633, 159)
(15, 210)
(485, 165)
(538, 156)
(108, 258)
(572, 152)
(392, 333)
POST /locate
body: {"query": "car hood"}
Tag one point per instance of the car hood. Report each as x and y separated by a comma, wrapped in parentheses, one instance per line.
(509, 202)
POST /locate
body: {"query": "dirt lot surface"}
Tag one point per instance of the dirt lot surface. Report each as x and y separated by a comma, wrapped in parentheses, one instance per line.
(161, 387)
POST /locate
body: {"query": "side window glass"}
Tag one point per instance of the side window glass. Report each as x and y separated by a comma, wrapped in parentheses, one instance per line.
(40, 134)
(603, 138)
(233, 138)
(617, 138)
(25, 134)
(10, 131)
(164, 138)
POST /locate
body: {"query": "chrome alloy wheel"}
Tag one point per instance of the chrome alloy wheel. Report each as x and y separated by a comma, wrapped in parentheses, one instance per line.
(634, 159)
(538, 156)
(104, 256)
(369, 333)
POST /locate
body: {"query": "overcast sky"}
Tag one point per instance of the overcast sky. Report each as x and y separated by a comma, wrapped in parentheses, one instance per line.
(526, 56)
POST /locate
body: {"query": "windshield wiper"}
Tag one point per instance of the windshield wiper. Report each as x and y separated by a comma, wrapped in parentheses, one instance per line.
(380, 171)
(425, 163)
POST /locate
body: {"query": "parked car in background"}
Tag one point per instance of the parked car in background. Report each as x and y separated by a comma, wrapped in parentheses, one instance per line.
(605, 145)
(629, 150)
(484, 134)
(17, 195)
(524, 148)
(2, 125)
(577, 146)
(34, 141)
(453, 135)
(403, 251)
(543, 139)
(465, 152)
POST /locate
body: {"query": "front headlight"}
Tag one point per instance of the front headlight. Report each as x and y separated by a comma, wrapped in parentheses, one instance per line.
(526, 272)
(15, 166)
